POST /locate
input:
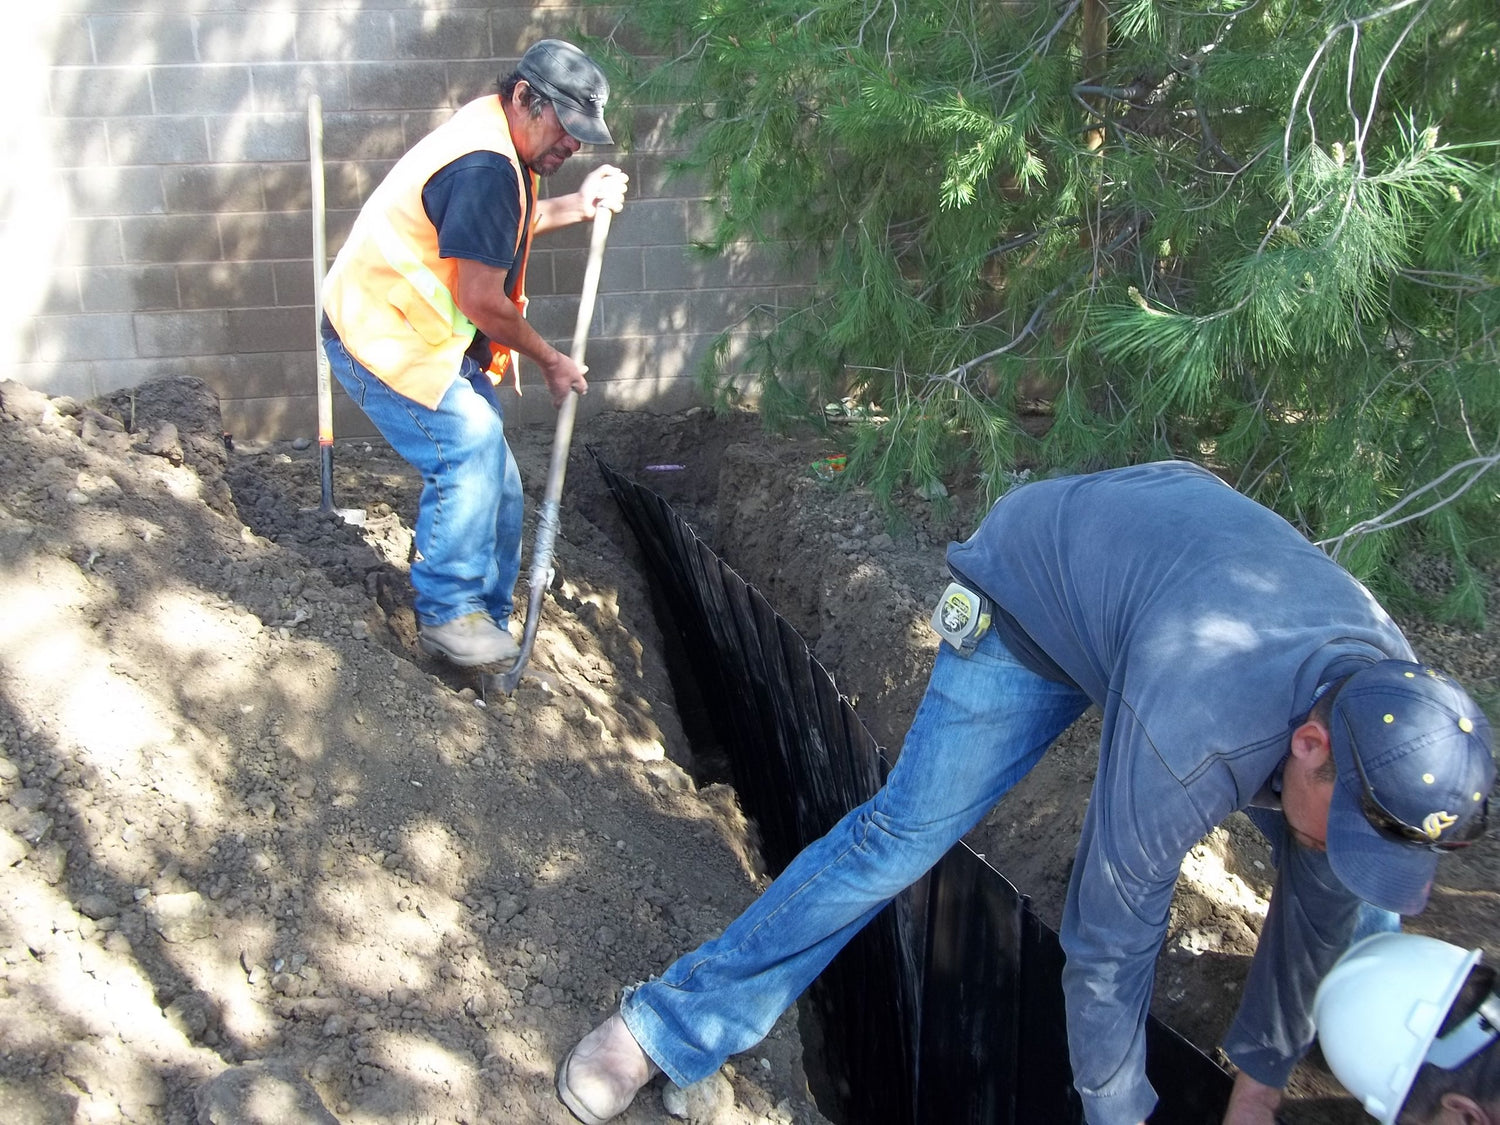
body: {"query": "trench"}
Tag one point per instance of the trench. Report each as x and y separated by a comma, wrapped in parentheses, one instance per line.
(947, 1007)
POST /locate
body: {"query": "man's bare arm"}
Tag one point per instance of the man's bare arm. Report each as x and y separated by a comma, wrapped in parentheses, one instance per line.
(481, 297)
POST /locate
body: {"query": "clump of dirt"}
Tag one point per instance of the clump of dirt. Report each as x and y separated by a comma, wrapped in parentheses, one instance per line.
(253, 838)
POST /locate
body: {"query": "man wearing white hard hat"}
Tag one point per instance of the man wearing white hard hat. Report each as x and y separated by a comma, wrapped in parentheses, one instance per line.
(1409, 1025)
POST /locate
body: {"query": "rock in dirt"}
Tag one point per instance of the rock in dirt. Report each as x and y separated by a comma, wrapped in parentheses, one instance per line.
(261, 1094)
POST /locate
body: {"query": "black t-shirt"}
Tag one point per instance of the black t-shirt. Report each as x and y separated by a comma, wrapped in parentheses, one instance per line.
(473, 204)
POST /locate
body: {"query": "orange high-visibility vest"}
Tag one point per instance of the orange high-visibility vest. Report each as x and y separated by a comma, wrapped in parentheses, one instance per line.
(390, 296)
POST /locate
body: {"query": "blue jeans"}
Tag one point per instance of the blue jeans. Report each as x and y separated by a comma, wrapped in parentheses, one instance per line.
(983, 723)
(468, 533)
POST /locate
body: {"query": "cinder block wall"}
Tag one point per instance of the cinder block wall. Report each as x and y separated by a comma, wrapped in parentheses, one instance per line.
(159, 201)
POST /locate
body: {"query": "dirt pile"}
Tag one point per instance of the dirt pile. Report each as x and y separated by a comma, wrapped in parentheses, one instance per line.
(254, 844)
(259, 860)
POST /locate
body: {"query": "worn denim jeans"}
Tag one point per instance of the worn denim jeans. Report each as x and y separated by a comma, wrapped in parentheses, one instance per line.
(468, 533)
(984, 721)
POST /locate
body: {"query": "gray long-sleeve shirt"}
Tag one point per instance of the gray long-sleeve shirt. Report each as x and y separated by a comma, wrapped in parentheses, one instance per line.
(1201, 623)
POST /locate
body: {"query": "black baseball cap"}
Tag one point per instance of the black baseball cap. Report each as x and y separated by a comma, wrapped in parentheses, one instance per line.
(573, 83)
(1415, 767)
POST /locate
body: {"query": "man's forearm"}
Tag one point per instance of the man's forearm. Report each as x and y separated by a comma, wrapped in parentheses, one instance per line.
(563, 211)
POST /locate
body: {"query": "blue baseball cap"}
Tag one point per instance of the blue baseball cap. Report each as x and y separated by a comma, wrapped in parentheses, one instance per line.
(1415, 767)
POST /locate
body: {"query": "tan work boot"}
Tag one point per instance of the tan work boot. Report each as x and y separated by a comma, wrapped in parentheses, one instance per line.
(469, 641)
(600, 1076)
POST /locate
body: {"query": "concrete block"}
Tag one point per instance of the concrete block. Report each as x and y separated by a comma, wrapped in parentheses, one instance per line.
(653, 176)
(470, 79)
(539, 282)
(60, 295)
(416, 125)
(650, 222)
(128, 288)
(661, 394)
(428, 34)
(363, 136)
(607, 22)
(64, 338)
(247, 37)
(134, 39)
(226, 285)
(349, 422)
(620, 271)
(371, 172)
(77, 142)
(258, 419)
(646, 314)
(269, 330)
(623, 271)
(198, 333)
(397, 85)
(71, 45)
(703, 220)
(257, 137)
(752, 264)
(553, 318)
(339, 223)
(345, 35)
(213, 187)
(683, 267)
(712, 310)
(285, 87)
(275, 234)
(157, 140)
(115, 191)
(655, 128)
(170, 238)
(515, 27)
(287, 186)
(100, 91)
(346, 184)
(294, 282)
(273, 374)
(200, 89)
(88, 242)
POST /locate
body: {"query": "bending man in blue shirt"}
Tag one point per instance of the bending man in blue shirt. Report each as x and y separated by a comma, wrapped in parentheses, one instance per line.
(1236, 666)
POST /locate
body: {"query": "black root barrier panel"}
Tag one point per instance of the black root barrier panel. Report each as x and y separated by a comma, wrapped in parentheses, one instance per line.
(948, 1007)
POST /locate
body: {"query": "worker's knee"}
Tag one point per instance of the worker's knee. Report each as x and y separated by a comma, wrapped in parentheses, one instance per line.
(901, 849)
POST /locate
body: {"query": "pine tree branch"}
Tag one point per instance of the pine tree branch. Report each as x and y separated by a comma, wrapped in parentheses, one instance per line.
(1389, 519)
(1308, 82)
(957, 375)
(1128, 94)
(1209, 143)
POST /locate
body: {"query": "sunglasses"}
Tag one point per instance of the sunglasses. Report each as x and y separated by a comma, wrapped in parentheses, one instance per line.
(1392, 827)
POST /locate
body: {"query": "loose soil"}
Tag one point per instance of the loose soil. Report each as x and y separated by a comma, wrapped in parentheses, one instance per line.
(263, 860)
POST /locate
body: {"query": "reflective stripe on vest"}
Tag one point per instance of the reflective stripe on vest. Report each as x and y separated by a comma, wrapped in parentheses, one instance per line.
(405, 261)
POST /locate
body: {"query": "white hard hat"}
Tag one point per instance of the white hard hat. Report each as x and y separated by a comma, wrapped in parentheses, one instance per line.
(1379, 1009)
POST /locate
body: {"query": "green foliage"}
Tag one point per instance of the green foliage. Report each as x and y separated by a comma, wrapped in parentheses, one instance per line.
(1281, 260)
